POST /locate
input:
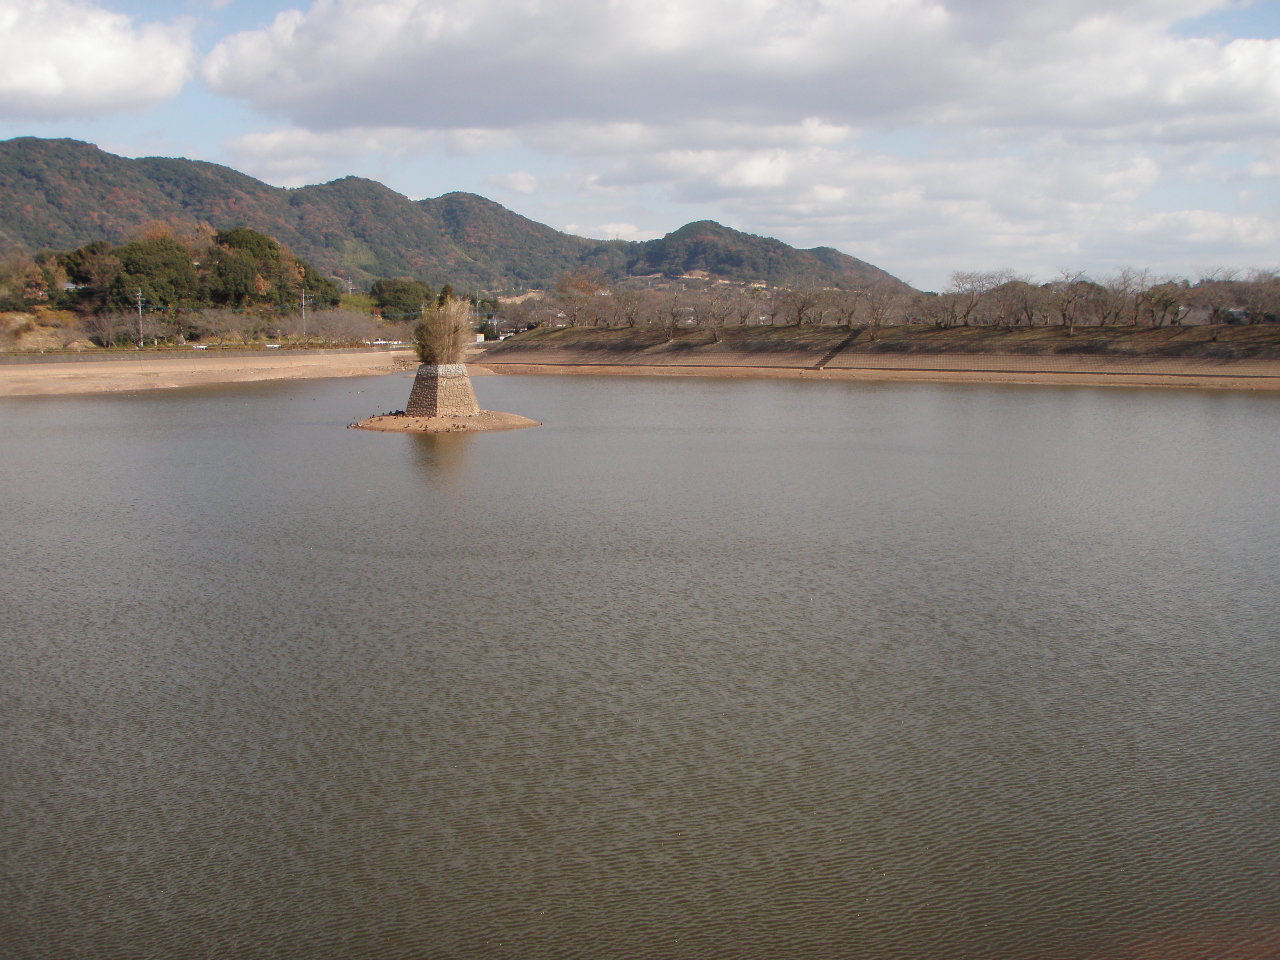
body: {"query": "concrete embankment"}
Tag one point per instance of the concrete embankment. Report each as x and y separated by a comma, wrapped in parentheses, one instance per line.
(838, 355)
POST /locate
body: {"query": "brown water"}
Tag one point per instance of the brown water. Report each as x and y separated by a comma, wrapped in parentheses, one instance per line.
(698, 669)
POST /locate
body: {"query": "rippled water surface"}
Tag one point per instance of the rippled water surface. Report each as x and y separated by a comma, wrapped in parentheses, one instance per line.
(697, 669)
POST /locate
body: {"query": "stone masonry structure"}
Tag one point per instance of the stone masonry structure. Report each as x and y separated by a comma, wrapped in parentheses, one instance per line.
(442, 390)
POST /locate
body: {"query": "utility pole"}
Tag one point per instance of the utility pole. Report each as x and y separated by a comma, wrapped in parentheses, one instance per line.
(304, 315)
(139, 318)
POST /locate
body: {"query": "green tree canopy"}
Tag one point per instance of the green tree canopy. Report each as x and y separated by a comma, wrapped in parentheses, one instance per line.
(255, 244)
(399, 298)
(161, 268)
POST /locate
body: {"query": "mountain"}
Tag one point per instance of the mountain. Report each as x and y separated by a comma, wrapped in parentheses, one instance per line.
(61, 194)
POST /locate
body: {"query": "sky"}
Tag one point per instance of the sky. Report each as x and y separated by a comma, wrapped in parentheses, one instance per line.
(923, 136)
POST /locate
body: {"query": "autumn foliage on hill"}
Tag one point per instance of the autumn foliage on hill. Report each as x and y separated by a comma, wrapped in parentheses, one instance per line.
(168, 272)
(60, 194)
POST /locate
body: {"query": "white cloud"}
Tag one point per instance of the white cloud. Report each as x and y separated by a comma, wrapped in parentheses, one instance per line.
(65, 58)
(521, 181)
(981, 133)
(293, 156)
(611, 231)
(511, 63)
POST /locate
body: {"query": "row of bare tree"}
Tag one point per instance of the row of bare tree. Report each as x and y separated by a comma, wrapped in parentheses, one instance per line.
(1130, 297)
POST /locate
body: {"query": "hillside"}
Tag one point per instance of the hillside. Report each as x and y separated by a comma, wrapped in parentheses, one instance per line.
(61, 194)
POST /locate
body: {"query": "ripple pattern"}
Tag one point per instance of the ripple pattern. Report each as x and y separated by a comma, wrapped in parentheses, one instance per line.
(697, 670)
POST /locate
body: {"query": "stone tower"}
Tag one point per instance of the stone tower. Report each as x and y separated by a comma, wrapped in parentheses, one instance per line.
(442, 390)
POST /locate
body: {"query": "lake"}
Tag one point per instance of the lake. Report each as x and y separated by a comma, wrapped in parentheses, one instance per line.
(699, 668)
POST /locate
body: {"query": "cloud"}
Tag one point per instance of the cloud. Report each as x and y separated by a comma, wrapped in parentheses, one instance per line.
(69, 59)
(611, 231)
(520, 181)
(515, 63)
(294, 156)
(1034, 211)
(980, 132)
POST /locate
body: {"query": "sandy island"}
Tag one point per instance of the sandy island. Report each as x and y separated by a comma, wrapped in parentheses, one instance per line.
(485, 420)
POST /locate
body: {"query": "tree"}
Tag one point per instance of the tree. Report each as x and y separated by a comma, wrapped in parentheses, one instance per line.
(91, 270)
(1215, 293)
(626, 306)
(579, 294)
(712, 308)
(400, 297)
(1012, 302)
(1066, 297)
(797, 306)
(107, 328)
(443, 333)
(881, 302)
(1163, 303)
(844, 305)
(20, 277)
(257, 245)
(1260, 295)
(161, 268)
(319, 290)
(232, 277)
(1124, 295)
(962, 298)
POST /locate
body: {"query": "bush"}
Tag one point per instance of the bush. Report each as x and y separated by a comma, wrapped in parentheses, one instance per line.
(443, 333)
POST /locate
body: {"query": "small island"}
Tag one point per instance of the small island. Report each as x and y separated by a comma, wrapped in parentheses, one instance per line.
(442, 399)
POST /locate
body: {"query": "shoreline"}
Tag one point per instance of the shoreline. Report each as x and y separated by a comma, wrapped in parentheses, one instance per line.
(143, 372)
(932, 368)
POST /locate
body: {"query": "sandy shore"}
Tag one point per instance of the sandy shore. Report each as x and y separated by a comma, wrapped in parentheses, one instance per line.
(149, 372)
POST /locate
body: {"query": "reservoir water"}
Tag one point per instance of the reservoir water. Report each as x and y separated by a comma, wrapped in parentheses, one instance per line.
(698, 669)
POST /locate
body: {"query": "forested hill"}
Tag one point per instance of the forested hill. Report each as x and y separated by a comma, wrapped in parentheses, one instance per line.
(61, 194)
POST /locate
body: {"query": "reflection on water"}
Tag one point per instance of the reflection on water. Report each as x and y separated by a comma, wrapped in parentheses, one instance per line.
(442, 455)
(697, 669)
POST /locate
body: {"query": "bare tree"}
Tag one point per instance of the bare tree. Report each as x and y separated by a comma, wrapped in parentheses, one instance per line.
(1065, 297)
(1259, 295)
(535, 311)
(743, 305)
(1125, 289)
(882, 303)
(797, 307)
(935, 308)
(443, 333)
(109, 328)
(579, 297)
(674, 313)
(625, 307)
(967, 292)
(1216, 293)
(1012, 301)
(343, 326)
(712, 308)
(1164, 302)
(844, 306)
